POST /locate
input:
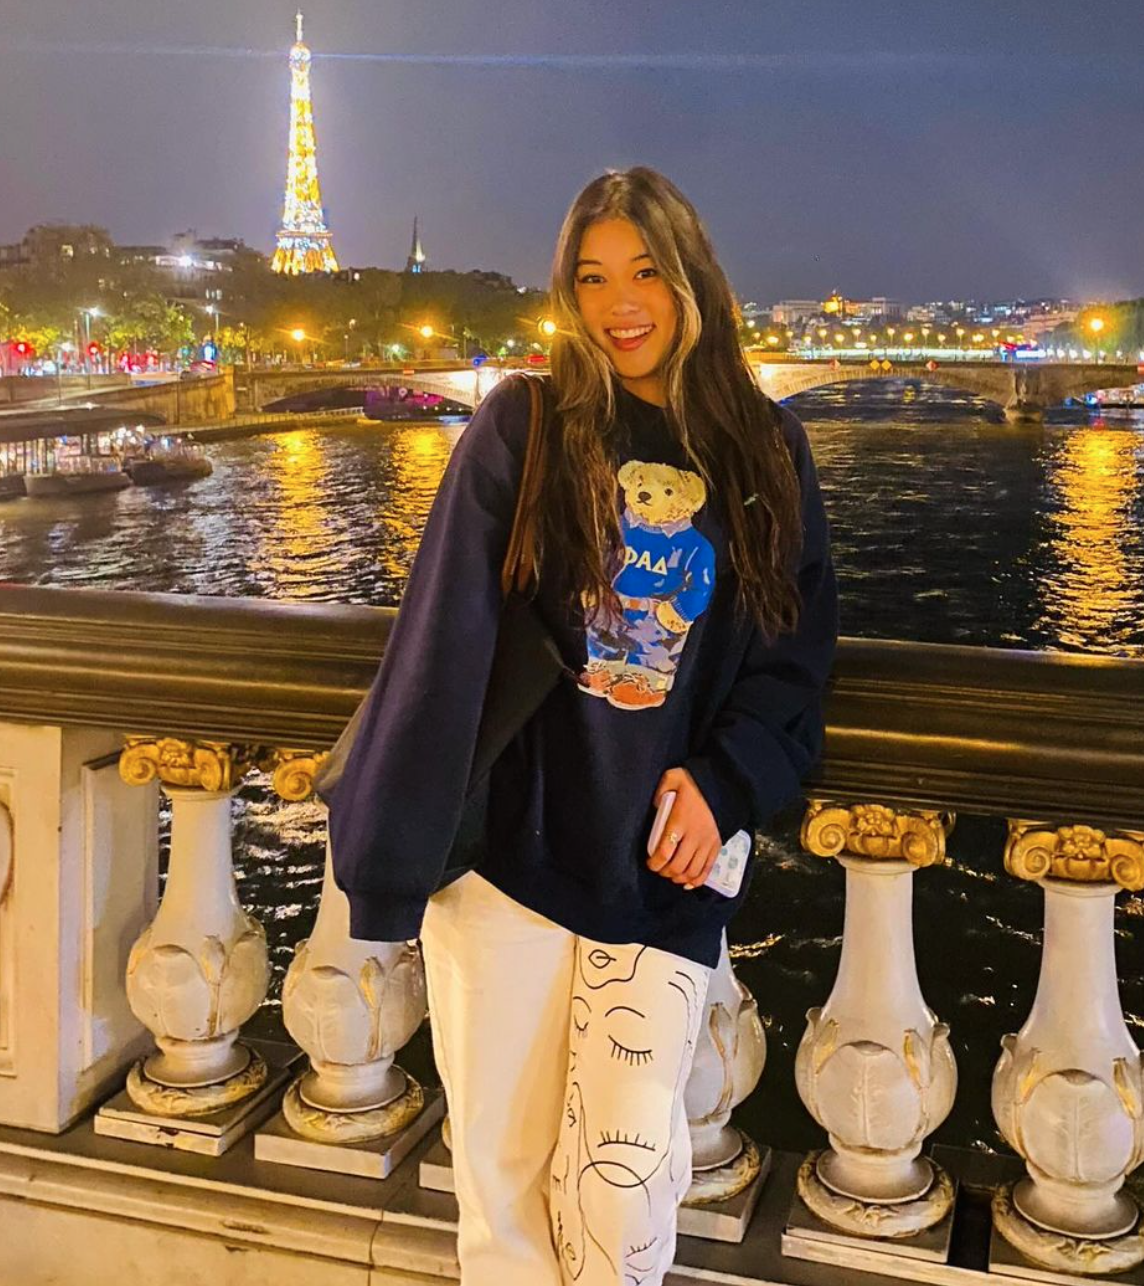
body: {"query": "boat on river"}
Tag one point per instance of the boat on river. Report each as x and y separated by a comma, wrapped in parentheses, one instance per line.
(69, 451)
(77, 475)
(160, 461)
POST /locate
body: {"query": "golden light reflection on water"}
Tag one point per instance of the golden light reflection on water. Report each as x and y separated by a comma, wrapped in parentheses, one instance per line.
(418, 454)
(297, 467)
(1090, 586)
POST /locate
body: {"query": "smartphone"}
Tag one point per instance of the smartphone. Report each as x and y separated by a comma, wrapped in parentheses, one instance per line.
(730, 866)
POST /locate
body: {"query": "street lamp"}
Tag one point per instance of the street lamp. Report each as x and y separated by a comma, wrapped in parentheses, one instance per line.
(298, 335)
(88, 314)
(547, 327)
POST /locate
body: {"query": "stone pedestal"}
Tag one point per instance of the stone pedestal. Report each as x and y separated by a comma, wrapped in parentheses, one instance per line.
(875, 1068)
(1068, 1092)
(79, 868)
(728, 1167)
(351, 1006)
(210, 1132)
(373, 1158)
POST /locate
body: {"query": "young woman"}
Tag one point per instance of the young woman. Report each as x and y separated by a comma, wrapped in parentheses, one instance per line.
(685, 575)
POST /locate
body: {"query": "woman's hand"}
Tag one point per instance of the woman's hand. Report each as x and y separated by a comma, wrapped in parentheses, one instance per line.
(690, 842)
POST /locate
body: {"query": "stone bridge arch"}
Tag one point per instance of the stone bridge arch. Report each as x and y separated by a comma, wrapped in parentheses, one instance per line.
(1024, 392)
(258, 390)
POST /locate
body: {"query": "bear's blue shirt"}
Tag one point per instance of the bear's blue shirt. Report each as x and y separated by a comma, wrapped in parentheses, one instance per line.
(684, 679)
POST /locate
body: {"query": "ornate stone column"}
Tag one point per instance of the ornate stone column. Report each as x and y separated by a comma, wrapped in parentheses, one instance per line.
(1068, 1092)
(200, 969)
(728, 1062)
(875, 1068)
(351, 1006)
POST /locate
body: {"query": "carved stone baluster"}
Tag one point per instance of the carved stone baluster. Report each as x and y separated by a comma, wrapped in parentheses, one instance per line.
(1068, 1091)
(351, 1006)
(201, 968)
(875, 1068)
(728, 1062)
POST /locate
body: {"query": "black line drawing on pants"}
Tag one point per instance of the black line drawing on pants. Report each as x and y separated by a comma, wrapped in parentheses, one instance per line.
(619, 1147)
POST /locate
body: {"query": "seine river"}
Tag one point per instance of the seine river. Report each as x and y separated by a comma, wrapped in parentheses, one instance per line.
(949, 526)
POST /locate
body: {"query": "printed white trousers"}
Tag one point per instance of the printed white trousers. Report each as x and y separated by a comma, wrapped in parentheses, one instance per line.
(564, 1063)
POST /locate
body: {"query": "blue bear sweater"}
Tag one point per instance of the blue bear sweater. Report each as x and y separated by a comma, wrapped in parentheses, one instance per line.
(681, 680)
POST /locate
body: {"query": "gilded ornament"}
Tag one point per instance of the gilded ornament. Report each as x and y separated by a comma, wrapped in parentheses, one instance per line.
(1082, 854)
(877, 832)
(352, 1127)
(1059, 1251)
(293, 771)
(197, 1100)
(208, 765)
(875, 1219)
(721, 1183)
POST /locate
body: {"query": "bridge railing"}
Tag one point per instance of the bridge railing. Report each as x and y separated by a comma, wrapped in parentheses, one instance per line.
(110, 1000)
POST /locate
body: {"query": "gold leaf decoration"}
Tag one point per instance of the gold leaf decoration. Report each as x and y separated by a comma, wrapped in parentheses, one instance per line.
(876, 831)
(1081, 853)
(208, 765)
(293, 771)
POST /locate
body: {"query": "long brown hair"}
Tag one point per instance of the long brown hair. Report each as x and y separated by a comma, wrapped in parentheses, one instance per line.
(729, 430)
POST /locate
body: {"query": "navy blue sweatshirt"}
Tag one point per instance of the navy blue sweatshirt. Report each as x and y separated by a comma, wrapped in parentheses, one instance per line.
(683, 679)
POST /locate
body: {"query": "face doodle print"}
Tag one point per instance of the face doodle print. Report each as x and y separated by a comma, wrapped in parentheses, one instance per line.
(623, 1159)
(664, 585)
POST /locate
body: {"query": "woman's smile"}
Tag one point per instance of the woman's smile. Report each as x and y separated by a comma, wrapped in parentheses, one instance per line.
(627, 338)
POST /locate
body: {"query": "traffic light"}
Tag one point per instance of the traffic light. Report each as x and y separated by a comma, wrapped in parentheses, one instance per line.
(93, 349)
(21, 348)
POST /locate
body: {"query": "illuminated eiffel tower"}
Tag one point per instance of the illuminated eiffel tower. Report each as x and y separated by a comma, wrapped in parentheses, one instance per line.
(304, 243)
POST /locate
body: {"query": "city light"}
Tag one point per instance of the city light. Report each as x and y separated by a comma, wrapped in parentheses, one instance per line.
(297, 334)
(548, 327)
(1096, 324)
(426, 332)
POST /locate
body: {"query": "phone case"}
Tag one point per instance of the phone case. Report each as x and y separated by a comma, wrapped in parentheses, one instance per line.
(726, 876)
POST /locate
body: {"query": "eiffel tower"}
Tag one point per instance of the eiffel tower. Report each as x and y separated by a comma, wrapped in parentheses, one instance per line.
(304, 243)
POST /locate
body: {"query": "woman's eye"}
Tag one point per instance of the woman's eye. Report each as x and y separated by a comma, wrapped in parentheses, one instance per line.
(647, 272)
(589, 279)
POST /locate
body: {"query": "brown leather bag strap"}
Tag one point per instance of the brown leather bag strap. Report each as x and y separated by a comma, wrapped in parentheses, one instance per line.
(520, 570)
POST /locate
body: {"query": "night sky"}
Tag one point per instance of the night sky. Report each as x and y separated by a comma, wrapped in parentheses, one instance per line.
(915, 149)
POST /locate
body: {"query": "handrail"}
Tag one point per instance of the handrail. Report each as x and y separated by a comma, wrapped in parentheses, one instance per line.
(1023, 734)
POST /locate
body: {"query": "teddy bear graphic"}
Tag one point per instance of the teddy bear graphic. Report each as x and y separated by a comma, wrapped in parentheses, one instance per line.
(664, 586)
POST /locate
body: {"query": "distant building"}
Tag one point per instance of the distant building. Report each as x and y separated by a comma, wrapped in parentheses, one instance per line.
(49, 243)
(789, 312)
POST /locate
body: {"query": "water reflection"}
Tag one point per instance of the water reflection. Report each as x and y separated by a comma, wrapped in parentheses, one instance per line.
(418, 454)
(288, 546)
(1091, 586)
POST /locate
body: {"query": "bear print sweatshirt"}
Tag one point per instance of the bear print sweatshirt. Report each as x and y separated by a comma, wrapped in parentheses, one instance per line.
(679, 679)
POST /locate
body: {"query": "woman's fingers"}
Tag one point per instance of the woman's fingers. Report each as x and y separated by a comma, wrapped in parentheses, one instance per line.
(700, 866)
(690, 842)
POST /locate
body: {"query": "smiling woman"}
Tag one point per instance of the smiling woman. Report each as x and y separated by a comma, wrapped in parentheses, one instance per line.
(681, 570)
(626, 306)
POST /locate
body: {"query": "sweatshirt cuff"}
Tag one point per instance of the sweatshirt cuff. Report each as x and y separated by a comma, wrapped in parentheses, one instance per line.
(727, 801)
(385, 918)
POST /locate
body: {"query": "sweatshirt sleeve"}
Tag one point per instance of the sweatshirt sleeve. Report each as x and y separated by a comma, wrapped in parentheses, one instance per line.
(396, 808)
(768, 733)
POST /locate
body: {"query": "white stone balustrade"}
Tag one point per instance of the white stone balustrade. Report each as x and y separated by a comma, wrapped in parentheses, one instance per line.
(351, 1006)
(875, 1068)
(78, 880)
(728, 1063)
(1068, 1091)
(201, 968)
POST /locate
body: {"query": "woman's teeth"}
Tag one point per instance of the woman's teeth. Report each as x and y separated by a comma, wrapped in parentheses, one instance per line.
(631, 332)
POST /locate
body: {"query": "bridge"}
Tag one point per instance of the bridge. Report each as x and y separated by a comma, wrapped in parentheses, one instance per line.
(1023, 391)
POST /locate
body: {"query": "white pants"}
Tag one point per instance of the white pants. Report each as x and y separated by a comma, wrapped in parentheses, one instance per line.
(564, 1063)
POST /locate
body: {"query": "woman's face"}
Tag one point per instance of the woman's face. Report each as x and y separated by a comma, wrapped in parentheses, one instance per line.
(627, 308)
